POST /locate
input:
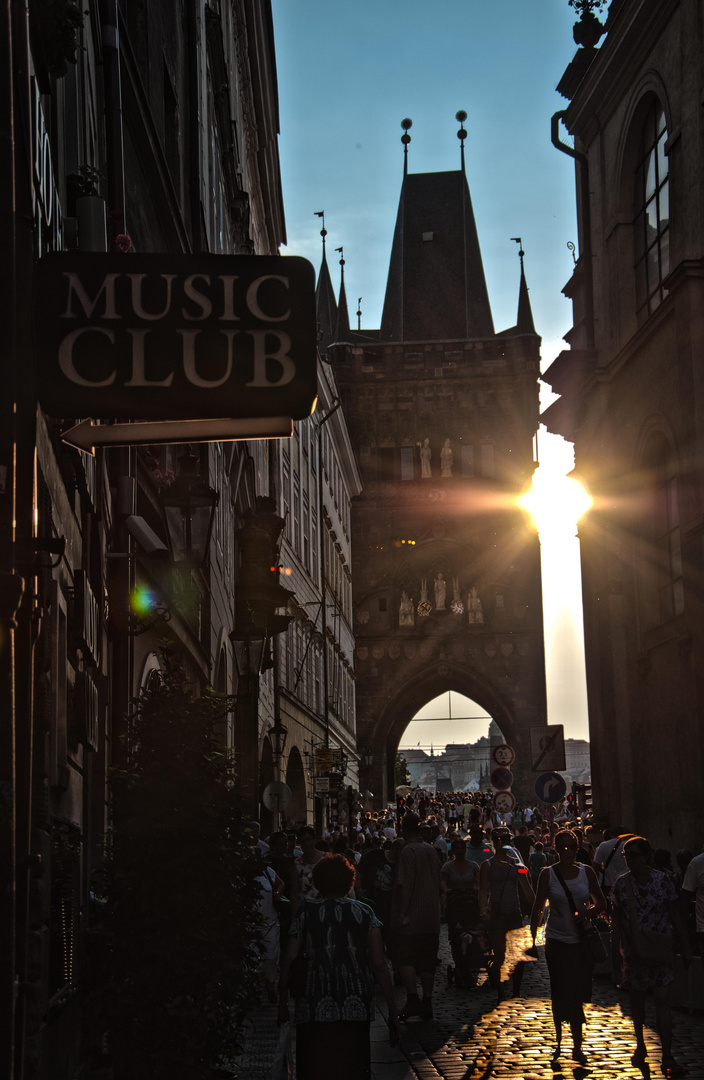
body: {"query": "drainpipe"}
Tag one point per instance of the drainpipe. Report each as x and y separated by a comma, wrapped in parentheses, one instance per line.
(112, 85)
(323, 569)
(194, 128)
(585, 252)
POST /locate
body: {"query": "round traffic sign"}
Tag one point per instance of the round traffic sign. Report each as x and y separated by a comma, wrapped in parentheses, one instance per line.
(276, 795)
(502, 778)
(550, 787)
(504, 755)
(504, 801)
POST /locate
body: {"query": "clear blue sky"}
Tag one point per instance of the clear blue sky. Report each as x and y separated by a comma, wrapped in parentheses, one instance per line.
(349, 71)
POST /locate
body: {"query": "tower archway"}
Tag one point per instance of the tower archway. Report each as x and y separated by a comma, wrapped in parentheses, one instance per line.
(383, 735)
(297, 809)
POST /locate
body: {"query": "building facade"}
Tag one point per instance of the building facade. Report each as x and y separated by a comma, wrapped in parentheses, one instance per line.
(630, 387)
(148, 128)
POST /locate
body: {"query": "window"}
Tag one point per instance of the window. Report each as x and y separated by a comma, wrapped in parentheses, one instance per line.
(669, 549)
(652, 214)
(487, 459)
(468, 461)
(406, 462)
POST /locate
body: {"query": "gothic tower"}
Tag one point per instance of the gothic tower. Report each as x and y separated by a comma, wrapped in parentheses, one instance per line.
(443, 412)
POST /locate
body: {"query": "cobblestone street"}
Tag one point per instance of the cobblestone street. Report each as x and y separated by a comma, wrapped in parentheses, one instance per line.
(470, 1038)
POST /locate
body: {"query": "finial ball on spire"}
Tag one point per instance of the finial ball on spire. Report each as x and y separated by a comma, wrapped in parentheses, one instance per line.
(462, 134)
(461, 116)
(406, 124)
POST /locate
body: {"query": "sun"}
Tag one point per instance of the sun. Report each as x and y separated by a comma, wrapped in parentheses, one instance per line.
(555, 503)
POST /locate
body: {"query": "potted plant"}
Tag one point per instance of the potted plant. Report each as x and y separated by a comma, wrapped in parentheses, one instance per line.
(83, 195)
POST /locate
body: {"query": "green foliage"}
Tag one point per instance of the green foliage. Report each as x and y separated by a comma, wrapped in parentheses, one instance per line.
(176, 964)
(401, 773)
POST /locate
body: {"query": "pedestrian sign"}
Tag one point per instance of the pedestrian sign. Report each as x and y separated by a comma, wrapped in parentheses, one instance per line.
(502, 778)
(504, 755)
(550, 787)
(504, 801)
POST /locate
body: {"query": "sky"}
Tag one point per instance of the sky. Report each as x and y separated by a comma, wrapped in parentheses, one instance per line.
(349, 71)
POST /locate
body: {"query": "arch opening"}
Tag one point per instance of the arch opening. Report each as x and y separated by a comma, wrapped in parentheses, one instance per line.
(448, 745)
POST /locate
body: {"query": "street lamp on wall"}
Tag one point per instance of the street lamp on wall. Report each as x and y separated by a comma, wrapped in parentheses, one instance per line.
(189, 506)
(278, 734)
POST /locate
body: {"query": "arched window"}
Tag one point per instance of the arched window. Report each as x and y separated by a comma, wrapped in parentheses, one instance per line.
(651, 214)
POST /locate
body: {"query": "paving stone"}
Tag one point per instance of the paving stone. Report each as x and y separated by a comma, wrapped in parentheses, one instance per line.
(472, 1039)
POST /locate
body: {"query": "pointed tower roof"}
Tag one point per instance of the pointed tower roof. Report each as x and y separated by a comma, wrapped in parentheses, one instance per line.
(325, 303)
(524, 319)
(342, 326)
(436, 287)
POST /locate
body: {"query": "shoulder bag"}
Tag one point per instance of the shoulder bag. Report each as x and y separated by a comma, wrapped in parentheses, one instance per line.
(651, 948)
(590, 936)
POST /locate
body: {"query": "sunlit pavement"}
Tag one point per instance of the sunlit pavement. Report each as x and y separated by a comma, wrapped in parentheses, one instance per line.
(470, 1038)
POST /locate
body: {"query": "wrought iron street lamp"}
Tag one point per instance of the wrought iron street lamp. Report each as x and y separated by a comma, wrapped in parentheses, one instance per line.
(278, 734)
(189, 507)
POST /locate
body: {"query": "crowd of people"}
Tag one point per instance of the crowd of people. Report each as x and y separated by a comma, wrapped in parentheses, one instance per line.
(340, 907)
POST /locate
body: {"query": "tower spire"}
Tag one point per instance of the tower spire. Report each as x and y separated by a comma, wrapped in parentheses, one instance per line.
(325, 304)
(524, 319)
(461, 134)
(342, 326)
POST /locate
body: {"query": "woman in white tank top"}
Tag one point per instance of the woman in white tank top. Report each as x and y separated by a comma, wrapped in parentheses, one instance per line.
(569, 963)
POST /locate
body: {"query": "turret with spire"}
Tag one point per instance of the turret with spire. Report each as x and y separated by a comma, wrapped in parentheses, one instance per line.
(342, 326)
(325, 303)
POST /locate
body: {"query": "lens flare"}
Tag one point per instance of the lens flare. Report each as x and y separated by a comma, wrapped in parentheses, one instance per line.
(142, 600)
(555, 503)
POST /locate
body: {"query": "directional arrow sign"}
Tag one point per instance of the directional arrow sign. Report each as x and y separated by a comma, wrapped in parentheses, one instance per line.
(502, 778)
(87, 435)
(550, 787)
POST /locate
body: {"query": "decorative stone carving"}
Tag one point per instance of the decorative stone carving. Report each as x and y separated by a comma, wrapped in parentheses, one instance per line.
(378, 652)
(406, 610)
(362, 652)
(456, 607)
(506, 650)
(425, 455)
(394, 651)
(523, 648)
(440, 586)
(424, 605)
(426, 650)
(410, 650)
(490, 649)
(474, 608)
(444, 671)
(362, 616)
(446, 458)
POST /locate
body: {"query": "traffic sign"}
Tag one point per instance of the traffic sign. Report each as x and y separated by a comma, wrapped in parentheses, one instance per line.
(502, 778)
(276, 795)
(504, 801)
(504, 755)
(547, 748)
(550, 787)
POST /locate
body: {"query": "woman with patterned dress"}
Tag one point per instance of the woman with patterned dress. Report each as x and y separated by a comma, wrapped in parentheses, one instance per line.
(650, 897)
(340, 941)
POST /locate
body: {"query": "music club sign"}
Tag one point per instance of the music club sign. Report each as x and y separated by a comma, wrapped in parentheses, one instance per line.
(175, 337)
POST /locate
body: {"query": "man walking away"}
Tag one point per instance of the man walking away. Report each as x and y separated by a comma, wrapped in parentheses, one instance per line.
(416, 919)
